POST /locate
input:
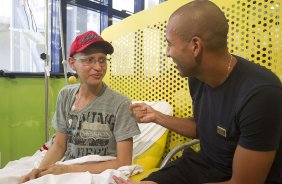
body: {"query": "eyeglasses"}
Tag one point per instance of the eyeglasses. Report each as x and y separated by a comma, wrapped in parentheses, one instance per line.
(90, 60)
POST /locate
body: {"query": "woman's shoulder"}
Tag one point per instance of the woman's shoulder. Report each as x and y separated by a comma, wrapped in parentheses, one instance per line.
(69, 89)
(116, 96)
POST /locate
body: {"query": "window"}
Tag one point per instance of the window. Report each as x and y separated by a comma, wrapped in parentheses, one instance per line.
(5, 17)
(124, 5)
(149, 3)
(80, 20)
(23, 35)
(116, 20)
(22, 28)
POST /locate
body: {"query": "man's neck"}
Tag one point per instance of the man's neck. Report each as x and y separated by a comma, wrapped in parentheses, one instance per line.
(216, 69)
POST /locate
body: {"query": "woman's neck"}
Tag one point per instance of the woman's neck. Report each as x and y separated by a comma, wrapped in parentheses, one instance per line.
(86, 91)
(85, 96)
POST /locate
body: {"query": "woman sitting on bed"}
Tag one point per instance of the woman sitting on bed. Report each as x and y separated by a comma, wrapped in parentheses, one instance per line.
(90, 118)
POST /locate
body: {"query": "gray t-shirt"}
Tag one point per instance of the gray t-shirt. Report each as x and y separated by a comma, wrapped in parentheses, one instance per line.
(98, 126)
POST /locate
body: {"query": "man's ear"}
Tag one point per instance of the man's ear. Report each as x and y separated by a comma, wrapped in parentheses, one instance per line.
(197, 45)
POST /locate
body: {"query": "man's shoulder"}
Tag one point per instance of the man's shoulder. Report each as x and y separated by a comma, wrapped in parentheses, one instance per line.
(256, 74)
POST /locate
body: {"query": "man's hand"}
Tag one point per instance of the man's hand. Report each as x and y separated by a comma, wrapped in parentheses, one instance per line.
(120, 180)
(144, 113)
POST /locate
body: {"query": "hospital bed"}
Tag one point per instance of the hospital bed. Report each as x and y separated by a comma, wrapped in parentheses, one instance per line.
(148, 148)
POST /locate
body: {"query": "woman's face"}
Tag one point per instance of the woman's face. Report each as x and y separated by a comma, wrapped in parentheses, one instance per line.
(91, 67)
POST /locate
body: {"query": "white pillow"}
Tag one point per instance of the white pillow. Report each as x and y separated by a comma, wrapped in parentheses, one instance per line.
(150, 132)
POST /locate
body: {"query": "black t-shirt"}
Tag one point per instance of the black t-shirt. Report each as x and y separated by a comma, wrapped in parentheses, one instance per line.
(246, 110)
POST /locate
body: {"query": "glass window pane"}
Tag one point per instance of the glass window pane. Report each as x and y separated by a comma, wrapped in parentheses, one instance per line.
(23, 36)
(115, 20)
(5, 17)
(149, 3)
(78, 24)
(127, 5)
(5, 9)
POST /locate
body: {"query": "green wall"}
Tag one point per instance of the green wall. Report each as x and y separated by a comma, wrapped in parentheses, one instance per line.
(22, 115)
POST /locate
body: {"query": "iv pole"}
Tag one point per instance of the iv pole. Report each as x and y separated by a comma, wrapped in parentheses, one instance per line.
(45, 57)
(64, 62)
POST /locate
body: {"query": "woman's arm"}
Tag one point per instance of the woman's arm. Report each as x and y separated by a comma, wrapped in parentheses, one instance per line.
(124, 157)
(54, 154)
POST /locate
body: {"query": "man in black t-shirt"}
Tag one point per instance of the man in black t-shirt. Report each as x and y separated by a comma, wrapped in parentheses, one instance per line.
(237, 106)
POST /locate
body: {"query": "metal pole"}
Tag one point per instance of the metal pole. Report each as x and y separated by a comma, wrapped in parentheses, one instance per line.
(47, 74)
(64, 62)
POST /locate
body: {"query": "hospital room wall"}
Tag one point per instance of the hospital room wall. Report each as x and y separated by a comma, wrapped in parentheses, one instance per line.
(22, 112)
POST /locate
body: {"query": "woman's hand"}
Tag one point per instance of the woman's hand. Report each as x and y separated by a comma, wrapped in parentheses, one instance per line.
(52, 169)
(31, 175)
(55, 169)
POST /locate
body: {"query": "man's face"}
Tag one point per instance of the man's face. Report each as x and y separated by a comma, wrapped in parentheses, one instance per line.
(180, 50)
(91, 67)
